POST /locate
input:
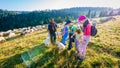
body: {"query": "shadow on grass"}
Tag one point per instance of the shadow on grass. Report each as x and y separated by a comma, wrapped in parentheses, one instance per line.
(12, 61)
(48, 60)
(51, 59)
(47, 57)
(70, 60)
(100, 49)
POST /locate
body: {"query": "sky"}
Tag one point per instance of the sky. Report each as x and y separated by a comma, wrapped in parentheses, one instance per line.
(31, 5)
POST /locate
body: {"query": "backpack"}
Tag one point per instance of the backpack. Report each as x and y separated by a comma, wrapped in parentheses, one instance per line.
(93, 30)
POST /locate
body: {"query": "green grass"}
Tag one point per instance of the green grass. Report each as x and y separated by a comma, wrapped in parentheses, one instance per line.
(102, 51)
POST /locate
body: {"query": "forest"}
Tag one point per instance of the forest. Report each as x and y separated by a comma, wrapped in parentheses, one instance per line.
(19, 19)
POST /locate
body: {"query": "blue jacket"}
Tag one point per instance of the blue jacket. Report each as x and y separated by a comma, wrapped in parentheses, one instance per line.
(66, 33)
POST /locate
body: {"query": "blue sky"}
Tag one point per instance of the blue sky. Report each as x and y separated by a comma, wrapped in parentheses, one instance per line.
(30, 5)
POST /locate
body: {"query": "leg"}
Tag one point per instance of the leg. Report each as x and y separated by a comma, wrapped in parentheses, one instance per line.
(66, 39)
(84, 49)
(86, 41)
(70, 41)
(80, 49)
(54, 38)
(70, 44)
(70, 35)
(51, 38)
(63, 40)
(77, 45)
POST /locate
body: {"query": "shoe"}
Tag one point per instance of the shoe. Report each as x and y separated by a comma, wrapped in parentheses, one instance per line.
(80, 57)
(69, 49)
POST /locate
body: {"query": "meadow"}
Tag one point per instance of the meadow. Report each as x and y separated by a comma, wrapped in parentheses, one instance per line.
(103, 50)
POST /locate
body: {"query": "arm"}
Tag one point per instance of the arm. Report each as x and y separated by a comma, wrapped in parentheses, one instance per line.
(63, 31)
(56, 27)
(48, 29)
(80, 36)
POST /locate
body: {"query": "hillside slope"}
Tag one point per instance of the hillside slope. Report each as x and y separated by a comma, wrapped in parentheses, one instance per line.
(103, 51)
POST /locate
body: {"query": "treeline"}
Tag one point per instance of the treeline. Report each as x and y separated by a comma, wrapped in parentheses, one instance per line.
(19, 19)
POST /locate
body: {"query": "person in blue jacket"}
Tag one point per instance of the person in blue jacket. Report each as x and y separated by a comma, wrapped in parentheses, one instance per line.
(65, 32)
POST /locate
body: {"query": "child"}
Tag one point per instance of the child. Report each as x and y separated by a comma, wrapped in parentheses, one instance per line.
(78, 38)
(86, 36)
(65, 32)
(71, 32)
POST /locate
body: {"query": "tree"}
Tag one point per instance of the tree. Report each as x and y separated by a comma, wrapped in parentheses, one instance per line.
(89, 14)
(18, 19)
(103, 13)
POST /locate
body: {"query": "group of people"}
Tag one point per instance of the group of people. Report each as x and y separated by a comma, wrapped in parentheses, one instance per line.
(81, 37)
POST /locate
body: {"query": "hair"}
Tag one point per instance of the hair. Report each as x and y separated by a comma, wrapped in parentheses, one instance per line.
(78, 31)
(51, 19)
(85, 23)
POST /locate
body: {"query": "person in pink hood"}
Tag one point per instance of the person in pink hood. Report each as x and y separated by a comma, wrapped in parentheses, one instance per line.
(86, 36)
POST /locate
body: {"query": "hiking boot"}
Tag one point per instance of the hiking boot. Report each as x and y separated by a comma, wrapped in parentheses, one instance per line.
(80, 57)
(68, 48)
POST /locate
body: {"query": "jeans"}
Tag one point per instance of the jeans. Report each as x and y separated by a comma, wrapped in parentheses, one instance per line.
(53, 38)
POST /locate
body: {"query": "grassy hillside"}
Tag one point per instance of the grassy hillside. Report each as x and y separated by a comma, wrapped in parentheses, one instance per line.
(102, 52)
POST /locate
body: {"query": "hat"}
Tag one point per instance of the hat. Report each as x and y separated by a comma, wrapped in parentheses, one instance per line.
(67, 22)
(82, 17)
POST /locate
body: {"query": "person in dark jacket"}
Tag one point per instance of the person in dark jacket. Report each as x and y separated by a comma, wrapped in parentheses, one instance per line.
(52, 28)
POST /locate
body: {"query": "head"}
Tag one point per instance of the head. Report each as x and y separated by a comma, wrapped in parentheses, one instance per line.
(82, 19)
(78, 31)
(52, 20)
(68, 23)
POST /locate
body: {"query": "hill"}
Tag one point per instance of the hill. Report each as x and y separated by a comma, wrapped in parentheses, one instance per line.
(19, 19)
(102, 52)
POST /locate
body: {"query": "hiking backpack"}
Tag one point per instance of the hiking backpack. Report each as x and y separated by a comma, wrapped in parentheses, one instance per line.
(93, 30)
